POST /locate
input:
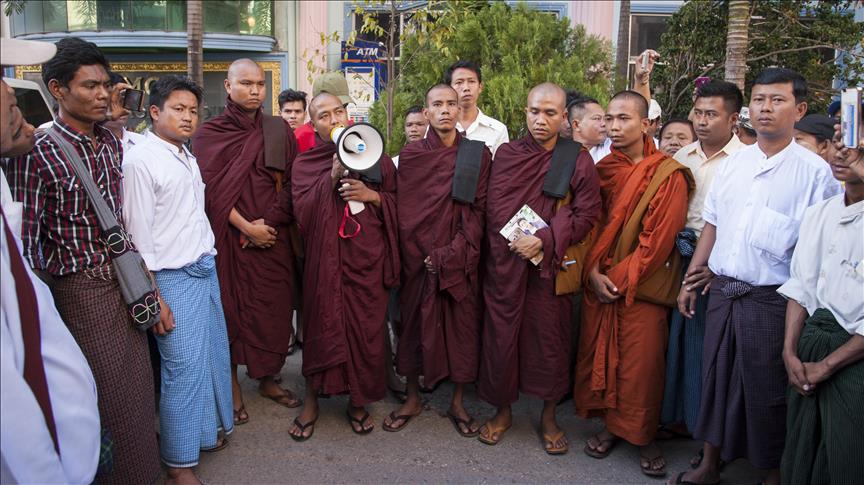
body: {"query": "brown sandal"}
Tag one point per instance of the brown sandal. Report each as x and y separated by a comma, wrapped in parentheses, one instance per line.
(491, 432)
(594, 453)
(238, 416)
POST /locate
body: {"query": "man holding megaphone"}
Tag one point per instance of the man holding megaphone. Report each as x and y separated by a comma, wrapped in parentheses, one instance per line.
(351, 261)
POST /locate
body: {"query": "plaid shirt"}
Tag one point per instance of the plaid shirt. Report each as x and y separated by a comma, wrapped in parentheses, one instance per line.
(60, 231)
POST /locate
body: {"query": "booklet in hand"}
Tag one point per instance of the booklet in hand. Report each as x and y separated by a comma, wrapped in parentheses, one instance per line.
(525, 222)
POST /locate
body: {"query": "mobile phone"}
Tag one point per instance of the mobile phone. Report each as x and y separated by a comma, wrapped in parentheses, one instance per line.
(850, 117)
(645, 57)
(133, 99)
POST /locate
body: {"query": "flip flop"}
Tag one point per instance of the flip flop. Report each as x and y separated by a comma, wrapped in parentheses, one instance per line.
(352, 420)
(697, 460)
(551, 440)
(238, 420)
(405, 418)
(285, 400)
(219, 446)
(302, 427)
(679, 480)
(600, 454)
(456, 420)
(489, 441)
(649, 470)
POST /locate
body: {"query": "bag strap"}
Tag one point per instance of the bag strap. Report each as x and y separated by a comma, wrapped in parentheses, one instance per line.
(104, 214)
(274, 142)
(469, 157)
(561, 168)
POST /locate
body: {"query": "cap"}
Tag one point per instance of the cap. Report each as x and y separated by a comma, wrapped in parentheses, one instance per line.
(833, 108)
(332, 82)
(744, 118)
(17, 52)
(820, 126)
(654, 110)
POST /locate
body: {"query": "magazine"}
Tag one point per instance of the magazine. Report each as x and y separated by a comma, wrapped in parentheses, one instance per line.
(524, 222)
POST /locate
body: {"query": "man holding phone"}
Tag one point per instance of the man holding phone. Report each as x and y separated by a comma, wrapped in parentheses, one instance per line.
(131, 100)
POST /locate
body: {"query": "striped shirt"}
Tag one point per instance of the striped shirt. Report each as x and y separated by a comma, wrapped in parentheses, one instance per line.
(60, 231)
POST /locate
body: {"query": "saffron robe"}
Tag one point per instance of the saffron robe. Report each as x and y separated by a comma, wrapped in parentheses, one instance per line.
(440, 330)
(621, 358)
(526, 329)
(256, 284)
(345, 280)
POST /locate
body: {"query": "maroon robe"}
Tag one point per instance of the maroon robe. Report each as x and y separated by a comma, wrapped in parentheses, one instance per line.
(256, 284)
(440, 333)
(526, 331)
(345, 280)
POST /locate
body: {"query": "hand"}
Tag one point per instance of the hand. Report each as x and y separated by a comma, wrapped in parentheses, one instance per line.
(116, 109)
(687, 302)
(166, 320)
(526, 247)
(698, 277)
(639, 73)
(428, 262)
(816, 372)
(606, 291)
(337, 171)
(260, 234)
(797, 374)
(352, 189)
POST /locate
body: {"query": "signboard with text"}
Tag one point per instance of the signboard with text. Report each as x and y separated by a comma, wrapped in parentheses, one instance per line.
(365, 67)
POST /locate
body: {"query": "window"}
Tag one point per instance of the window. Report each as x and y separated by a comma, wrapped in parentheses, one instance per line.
(645, 32)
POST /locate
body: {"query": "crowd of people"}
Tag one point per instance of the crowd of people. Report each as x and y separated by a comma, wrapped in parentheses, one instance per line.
(698, 277)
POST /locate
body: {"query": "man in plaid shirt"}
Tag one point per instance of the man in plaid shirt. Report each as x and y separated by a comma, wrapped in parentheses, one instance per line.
(61, 237)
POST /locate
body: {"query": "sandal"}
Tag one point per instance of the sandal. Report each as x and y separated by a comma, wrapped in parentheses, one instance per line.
(649, 469)
(697, 460)
(490, 440)
(679, 480)
(405, 418)
(594, 453)
(457, 421)
(550, 440)
(352, 420)
(219, 446)
(286, 400)
(302, 427)
(239, 416)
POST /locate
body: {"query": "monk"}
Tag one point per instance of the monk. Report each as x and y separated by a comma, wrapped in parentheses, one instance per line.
(254, 259)
(351, 261)
(620, 363)
(526, 334)
(439, 242)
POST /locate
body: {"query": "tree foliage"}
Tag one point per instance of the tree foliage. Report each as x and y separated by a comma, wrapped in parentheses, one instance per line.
(804, 35)
(516, 49)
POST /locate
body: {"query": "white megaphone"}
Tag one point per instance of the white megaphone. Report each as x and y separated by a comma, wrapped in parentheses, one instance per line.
(359, 147)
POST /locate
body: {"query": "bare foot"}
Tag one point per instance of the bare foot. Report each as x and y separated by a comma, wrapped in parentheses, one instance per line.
(270, 389)
(466, 423)
(182, 476)
(553, 437)
(413, 406)
(493, 430)
(651, 460)
(307, 418)
(360, 420)
(601, 444)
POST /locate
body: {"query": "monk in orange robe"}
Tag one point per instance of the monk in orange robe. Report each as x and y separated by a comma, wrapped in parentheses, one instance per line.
(621, 358)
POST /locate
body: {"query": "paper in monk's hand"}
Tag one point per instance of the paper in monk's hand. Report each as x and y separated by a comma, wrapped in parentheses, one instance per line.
(525, 222)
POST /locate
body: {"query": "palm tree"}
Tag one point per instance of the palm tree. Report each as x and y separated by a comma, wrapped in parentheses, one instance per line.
(194, 34)
(622, 54)
(737, 42)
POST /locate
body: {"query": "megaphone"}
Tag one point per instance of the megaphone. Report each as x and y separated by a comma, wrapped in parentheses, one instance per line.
(359, 147)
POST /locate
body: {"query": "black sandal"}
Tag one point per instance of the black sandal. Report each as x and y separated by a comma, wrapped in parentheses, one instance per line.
(405, 418)
(697, 460)
(456, 420)
(302, 427)
(352, 420)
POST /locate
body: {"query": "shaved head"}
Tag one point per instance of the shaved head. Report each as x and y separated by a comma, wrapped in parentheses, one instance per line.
(324, 98)
(438, 86)
(550, 90)
(639, 101)
(327, 112)
(240, 67)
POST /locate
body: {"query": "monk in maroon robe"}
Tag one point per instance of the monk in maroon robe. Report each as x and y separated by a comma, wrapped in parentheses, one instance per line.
(254, 261)
(351, 261)
(526, 332)
(439, 240)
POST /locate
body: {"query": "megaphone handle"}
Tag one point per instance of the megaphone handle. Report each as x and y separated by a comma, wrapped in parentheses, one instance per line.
(356, 206)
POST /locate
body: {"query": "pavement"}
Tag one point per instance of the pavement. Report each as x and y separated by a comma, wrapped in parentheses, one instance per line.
(428, 450)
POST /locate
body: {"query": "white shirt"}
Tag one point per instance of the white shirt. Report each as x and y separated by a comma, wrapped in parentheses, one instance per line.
(757, 204)
(130, 139)
(26, 448)
(396, 161)
(703, 169)
(11, 207)
(828, 263)
(599, 151)
(163, 204)
(486, 129)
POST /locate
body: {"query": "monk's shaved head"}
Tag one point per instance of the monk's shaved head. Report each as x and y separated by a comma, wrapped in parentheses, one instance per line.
(323, 98)
(440, 86)
(639, 101)
(551, 90)
(327, 112)
(241, 67)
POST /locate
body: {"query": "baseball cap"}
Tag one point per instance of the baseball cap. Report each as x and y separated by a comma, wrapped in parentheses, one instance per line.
(744, 118)
(654, 110)
(820, 126)
(17, 52)
(833, 108)
(332, 82)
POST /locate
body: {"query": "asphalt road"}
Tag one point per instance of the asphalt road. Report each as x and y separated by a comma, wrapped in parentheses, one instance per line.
(428, 450)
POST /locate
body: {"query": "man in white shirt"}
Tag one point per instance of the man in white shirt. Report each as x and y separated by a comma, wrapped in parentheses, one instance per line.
(715, 112)
(587, 121)
(49, 419)
(824, 346)
(164, 212)
(752, 216)
(465, 77)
